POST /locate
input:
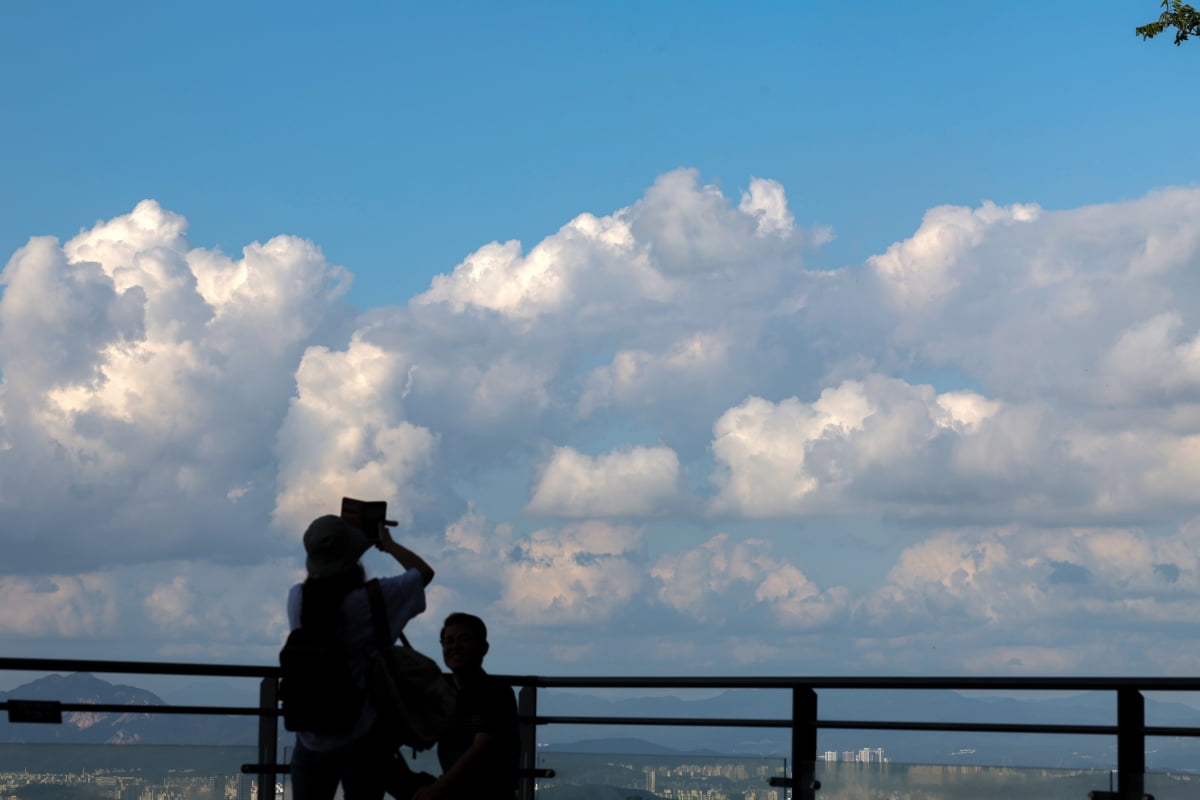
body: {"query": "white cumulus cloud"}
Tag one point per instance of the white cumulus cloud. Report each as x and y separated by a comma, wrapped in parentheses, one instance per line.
(142, 393)
(723, 582)
(636, 482)
(1009, 397)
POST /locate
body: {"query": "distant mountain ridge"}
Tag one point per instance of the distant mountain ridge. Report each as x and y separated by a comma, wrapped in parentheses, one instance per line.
(623, 746)
(102, 727)
(1092, 708)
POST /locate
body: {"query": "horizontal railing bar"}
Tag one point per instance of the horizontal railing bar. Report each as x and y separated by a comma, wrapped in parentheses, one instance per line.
(651, 682)
(683, 722)
(1159, 730)
(969, 727)
(138, 667)
(827, 724)
(119, 708)
(1148, 684)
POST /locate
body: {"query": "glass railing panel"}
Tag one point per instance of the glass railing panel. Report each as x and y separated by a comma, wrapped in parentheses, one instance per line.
(89, 727)
(1172, 708)
(765, 704)
(946, 705)
(134, 728)
(1171, 754)
(138, 688)
(868, 764)
(968, 748)
(1173, 785)
(584, 776)
(887, 781)
(1172, 764)
(125, 772)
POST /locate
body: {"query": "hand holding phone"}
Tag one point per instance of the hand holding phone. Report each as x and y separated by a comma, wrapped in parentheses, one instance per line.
(366, 515)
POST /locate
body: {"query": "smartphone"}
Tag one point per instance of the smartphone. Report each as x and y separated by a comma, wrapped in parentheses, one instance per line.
(365, 515)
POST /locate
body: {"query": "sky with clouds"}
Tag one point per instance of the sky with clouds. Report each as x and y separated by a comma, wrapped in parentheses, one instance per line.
(680, 340)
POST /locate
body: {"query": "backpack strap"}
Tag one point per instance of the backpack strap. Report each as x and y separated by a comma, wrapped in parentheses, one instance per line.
(379, 617)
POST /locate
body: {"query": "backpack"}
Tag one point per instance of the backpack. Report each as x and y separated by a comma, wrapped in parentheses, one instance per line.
(411, 696)
(316, 688)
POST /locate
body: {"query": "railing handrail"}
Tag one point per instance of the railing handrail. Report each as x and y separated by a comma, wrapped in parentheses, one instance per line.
(993, 683)
(9, 664)
(952, 682)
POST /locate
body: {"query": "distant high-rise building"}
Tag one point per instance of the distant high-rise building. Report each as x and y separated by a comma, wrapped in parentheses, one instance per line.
(848, 755)
(830, 755)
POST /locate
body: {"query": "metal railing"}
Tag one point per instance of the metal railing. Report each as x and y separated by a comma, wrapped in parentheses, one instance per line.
(804, 722)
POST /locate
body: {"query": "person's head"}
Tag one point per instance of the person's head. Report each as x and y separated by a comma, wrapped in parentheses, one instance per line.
(333, 547)
(464, 642)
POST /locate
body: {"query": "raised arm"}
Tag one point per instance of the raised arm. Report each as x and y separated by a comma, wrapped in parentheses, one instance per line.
(407, 558)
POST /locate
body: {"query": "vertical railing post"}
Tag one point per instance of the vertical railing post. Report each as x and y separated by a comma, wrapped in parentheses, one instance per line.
(268, 732)
(804, 743)
(1131, 744)
(527, 728)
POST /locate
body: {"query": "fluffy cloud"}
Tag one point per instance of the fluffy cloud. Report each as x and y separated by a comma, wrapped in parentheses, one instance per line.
(789, 458)
(587, 253)
(925, 268)
(892, 447)
(143, 382)
(1042, 600)
(177, 609)
(1153, 361)
(579, 574)
(57, 605)
(1033, 303)
(345, 434)
(724, 581)
(1009, 575)
(642, 379)
(638, 482)
(1023, 381)
(488, 361)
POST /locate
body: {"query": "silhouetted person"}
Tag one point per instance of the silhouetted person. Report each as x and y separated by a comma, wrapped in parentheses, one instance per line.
(480, 750)
(333, 599)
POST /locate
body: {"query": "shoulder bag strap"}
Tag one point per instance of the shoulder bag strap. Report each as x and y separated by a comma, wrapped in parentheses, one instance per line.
(379, 617)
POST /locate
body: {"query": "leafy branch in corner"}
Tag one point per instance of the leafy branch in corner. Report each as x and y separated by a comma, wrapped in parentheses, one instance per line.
(1178, 15)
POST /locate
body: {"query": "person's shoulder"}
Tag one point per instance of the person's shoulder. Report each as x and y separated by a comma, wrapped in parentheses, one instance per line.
(497, 685)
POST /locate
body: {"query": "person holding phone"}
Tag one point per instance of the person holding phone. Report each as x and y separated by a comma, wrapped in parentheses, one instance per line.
(333, 599)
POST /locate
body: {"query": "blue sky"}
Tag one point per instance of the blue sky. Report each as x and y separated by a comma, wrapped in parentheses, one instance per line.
(401, 136)
(857, 343)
